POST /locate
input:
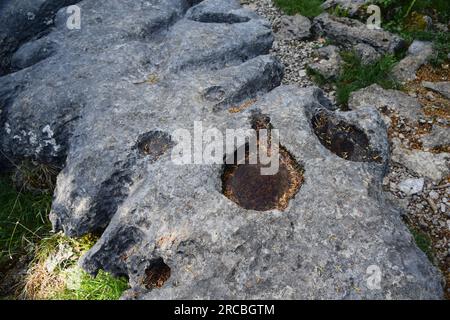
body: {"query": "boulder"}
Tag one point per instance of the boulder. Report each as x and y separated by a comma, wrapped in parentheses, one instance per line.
(295, 27)
(349, 32)
(109, 103)
(387, 101)
(425, 164)
(442, 87)
(367, 54)
(439, 136)
(329, 65)
(418, 54)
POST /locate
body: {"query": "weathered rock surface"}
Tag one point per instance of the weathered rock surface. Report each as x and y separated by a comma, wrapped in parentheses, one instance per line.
(439, 136)
(349, 32)
(366, 53)
(387, 101)
(106, 103)
(442, 87)
(23, 20)
(418, 54)
(329, 65)
(210, 243)
(295, 27)
(425, 164)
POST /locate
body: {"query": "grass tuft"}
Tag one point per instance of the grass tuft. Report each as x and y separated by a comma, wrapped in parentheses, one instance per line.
(23, 218)
(25, 231)
(54, 273)
(307, 8)
(423, 241)
(102, 287)
(356, 75)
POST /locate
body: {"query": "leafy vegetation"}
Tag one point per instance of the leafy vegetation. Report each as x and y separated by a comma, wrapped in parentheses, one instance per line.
(316, 77)
(401, 9)
(408, 19)
(307, 8)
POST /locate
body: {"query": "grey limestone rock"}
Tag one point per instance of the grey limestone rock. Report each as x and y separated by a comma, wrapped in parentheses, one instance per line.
(418, 54)
(387, 101)
(426, 164)
(349, 32)
(329, 65)
(295, 27)
(106, 103)
(439, 136)
(21, 22)
(411, 186)
(442, 87)
(366, 53)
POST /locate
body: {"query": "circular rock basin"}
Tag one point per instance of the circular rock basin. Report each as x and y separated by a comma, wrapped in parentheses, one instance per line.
(154, 144)
(157, 274)
(246, 186)
(343, 139)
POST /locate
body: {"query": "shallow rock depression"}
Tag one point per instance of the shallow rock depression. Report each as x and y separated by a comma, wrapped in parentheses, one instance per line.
(104, 102)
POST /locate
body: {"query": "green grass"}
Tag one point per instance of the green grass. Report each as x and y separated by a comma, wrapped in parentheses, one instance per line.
(355, 75)
(66, 281)
(23, 218)
(316, 77)
(423, 241)
(102, 287)
(26, 230)
(307, 8)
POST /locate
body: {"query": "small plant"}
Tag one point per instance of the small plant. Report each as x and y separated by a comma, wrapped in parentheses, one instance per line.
(23, 219)
(356, 75)
(102, 287)
(35, 177)
(316, 77)
(407, 18)
(423, 241)
(307, 8)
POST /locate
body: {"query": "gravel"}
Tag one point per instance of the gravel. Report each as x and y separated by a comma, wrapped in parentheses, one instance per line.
(294, 54)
